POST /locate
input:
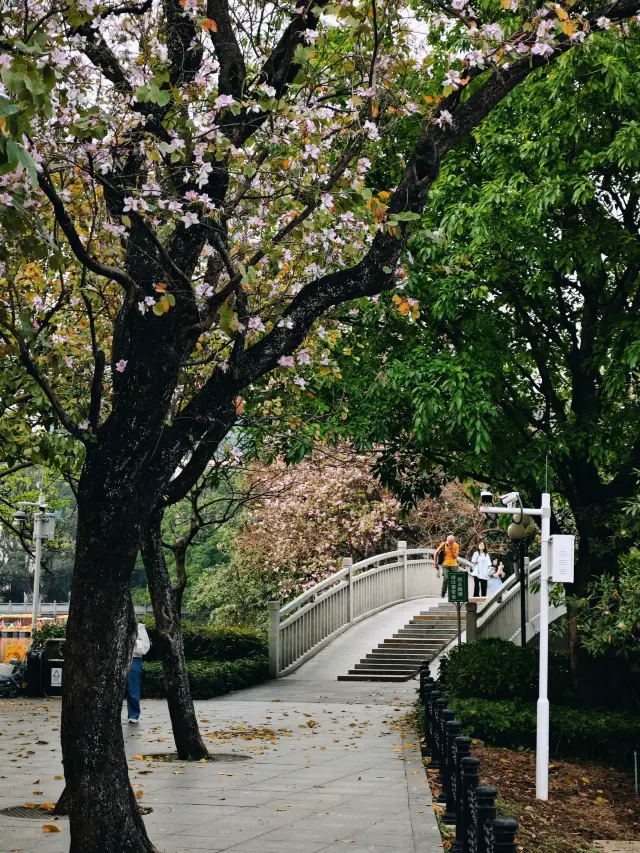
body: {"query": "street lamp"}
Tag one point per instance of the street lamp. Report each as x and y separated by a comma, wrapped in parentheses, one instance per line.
(44, 527)
(542, 730)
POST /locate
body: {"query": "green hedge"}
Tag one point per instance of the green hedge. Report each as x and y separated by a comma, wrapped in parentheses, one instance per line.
(208, 678)
(608, 736)
(208, 643)
(497, 669)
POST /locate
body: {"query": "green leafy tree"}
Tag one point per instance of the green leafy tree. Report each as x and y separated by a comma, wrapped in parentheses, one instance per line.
(515, 341)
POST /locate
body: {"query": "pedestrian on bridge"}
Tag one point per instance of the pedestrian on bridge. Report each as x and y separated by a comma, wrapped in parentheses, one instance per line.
(450, 563)
(480, 572)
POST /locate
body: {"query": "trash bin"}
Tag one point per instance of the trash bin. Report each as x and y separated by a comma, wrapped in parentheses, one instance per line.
(34, 673)
(53, 669)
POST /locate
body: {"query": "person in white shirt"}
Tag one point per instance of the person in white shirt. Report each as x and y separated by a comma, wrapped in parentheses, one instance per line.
(481, 562)
(134, 681)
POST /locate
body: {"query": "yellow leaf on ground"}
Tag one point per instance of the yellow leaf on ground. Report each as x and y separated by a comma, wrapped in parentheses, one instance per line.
(48, 806)
(138, 757)
(139, 795)
(50, 827)
(58, 777)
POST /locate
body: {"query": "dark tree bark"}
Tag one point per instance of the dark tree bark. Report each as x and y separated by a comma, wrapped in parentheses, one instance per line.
(100, 637)
(186, 733)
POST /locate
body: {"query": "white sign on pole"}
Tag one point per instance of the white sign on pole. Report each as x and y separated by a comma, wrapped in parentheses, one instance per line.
(56, 676)
(562, 548)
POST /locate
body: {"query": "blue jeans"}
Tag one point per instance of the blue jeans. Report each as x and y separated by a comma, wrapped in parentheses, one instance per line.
(134, 687)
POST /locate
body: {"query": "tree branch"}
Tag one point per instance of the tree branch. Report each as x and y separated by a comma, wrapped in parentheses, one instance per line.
(68, 228)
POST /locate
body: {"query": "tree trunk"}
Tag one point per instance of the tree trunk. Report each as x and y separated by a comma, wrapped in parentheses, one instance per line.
(186, 733)
(103, 811)
(180, 555)
(595, 557)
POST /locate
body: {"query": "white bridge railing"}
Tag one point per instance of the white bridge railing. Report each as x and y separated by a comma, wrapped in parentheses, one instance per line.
(500, 616)
(299, 629)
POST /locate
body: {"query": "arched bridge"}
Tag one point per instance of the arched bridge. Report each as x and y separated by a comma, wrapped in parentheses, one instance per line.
(301, 628)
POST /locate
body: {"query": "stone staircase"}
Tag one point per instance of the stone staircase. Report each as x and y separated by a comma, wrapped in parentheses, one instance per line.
(399, 657)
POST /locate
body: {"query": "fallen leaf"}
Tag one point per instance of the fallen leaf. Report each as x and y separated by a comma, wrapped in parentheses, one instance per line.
(348, 841)
(139, 795)
(58, 777)
(50, 827)
(48, 806)
(138, 757)
(585, 780)
(30, 806)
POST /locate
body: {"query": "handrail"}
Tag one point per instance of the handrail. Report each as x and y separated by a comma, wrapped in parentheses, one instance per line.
(510, 587)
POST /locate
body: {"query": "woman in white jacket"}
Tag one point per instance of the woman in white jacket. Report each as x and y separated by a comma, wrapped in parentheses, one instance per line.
(480, 572)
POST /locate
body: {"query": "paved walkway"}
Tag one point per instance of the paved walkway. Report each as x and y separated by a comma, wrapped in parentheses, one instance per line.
(329, 766)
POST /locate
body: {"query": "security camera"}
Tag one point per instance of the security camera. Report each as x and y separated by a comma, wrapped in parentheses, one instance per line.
(510, 498)
(486, 497)
(19, 517)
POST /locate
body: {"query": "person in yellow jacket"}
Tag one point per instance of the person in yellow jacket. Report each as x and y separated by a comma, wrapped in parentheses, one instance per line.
(450, 562)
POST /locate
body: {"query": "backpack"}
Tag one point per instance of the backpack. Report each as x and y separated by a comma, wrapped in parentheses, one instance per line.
(441, 555)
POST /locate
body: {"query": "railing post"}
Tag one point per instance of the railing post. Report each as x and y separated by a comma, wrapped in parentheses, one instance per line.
(447, 716)
(470, 781)
(274, 638)
(472, 621)
(453, 731)
(402, 546)
(437, 708)
(429, 717)
(505, 830)
(347, 563)
(486, 802)
(463, 750)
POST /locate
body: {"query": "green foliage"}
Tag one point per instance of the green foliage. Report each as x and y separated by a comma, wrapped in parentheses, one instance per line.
(47, 632)
(211, 644)
(496, 669)
(609, 615)
(208, 678)
(607, 736)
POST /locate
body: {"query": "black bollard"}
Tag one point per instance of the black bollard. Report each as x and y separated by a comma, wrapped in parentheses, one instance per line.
(436, 726)
(454, 730)
(427, 690)
(486, 807)
(470, 781)
(463, 750)
(505, 830)
(447, 716)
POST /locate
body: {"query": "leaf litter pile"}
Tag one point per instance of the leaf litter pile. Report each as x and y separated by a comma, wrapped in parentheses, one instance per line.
(587, 801)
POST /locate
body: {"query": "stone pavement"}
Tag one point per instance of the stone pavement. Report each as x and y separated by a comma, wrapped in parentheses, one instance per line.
(329, 766)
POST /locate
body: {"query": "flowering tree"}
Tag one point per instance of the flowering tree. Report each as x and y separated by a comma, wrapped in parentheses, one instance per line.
(329, 506)
(191, 179)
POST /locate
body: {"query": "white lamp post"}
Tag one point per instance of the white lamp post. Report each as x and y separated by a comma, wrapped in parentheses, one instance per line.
(542, 729)
(43, 528)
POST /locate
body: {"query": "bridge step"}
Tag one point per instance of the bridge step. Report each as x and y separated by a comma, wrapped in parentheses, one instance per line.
(376, 677)
(399, 657)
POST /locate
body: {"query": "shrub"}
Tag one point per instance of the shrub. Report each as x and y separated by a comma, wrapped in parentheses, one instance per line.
(49, 630)
(496, 669)
(607, 736)
(208, 678)
(207, 643)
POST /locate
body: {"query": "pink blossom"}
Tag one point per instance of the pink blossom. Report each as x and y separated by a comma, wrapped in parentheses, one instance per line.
(286, 361)
(121, 365)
